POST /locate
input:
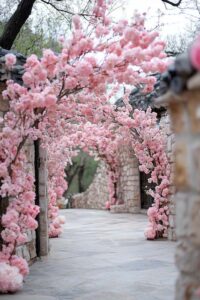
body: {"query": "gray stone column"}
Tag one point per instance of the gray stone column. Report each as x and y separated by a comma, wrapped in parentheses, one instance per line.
(43, 201)
(185, 115)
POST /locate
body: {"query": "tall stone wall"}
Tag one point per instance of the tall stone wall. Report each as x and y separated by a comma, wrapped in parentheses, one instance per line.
(128, 187)
(128, 184)
(28, 250)
(184, 109)
(97, 194)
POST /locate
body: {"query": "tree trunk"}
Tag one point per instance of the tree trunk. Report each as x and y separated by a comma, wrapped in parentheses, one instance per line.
(14, 25)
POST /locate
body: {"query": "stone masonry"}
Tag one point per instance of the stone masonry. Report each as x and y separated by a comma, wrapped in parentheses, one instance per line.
(128, 187)
(28, 251)
(96, 194)
(128, 184)
(184, 107)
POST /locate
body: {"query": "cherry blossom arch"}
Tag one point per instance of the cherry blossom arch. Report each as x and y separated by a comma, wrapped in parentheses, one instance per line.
(64, 102)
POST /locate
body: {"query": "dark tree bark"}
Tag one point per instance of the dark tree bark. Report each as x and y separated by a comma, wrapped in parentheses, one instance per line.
(12, 28)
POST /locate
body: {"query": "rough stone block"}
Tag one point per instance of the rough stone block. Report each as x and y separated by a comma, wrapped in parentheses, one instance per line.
(181, 171)
(177, 115)
(194, 114)
(32, 249)
(26, 254)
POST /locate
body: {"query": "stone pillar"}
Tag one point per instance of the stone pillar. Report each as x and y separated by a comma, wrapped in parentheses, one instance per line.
(128, 184)
(185, 115)
(43, 202)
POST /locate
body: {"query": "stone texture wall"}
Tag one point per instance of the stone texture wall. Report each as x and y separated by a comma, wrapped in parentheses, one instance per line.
(28, 251)
(43, 203)
(165, 125)
(184, 110)
(128, 185)
(97, 193)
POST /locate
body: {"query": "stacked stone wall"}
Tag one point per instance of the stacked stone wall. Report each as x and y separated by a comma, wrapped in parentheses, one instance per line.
(97, 194)
(184, 110)
(128, 187)
(128, 184)
(28, 250)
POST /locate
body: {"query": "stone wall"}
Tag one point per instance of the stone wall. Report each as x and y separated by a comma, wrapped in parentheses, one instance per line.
(165, 126)
(28, 251)
(128, 184)
(128, 187)
(184, 110)
(97, 193)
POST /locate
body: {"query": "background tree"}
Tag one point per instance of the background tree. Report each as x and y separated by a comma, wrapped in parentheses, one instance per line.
(16, 14)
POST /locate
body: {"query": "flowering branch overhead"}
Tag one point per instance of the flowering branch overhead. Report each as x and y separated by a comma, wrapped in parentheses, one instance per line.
(64, 102)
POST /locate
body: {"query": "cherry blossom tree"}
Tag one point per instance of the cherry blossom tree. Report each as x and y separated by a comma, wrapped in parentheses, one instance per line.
(64, 103)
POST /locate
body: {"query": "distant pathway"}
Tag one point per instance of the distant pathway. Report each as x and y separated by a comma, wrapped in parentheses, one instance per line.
(102, 256)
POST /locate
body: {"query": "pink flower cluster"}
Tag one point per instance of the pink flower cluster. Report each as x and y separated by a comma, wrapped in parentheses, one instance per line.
(10, 278)
(64, 103)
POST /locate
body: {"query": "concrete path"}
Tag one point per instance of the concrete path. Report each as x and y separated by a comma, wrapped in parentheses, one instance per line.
(102, 256)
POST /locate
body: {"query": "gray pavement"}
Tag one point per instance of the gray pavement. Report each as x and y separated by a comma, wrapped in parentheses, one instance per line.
(102, 256)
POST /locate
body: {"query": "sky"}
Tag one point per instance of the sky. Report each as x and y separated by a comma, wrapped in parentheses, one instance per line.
(172, 21)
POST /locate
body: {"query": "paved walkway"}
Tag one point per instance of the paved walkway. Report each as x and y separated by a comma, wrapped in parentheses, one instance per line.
(102, 256)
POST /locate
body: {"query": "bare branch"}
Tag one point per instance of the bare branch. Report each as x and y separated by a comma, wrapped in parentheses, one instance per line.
(64, 10)
(172, 3)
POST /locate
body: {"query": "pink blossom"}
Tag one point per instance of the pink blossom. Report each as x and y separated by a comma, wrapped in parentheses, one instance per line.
(10, 278)
(84, 69)
(29, 196)
(10, 60)
(28, 78)
(50, 100)
(76, 22)
(21, 239)
(8, 235)
(11, 216)
(20, 263)
(150, 233)
(70, 83)
(107, 205)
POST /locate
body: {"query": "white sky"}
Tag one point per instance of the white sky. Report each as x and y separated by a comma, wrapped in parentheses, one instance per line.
(173, 22)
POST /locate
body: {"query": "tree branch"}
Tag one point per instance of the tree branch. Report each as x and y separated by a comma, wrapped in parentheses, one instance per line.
(64, 10)
(172, 3)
